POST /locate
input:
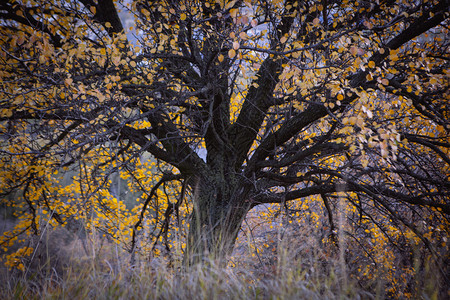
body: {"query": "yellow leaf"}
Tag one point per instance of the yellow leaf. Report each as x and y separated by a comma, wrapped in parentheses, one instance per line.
(101, 98)
(371, 64)
(368, 24)
(6, 113)
(316, 22)
(230, 4)
(231, 53)
(133, 64)
(183, 16)
(108, 25)
(340, 97)
(393, 57)
(364, 162)
(242, 20)
(220, 58)
(283, 39)
(235, 45)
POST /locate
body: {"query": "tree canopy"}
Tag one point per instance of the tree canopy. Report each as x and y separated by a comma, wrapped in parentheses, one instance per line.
(213, 108)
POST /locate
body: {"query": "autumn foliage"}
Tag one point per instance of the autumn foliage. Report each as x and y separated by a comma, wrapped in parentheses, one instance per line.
(207, 120)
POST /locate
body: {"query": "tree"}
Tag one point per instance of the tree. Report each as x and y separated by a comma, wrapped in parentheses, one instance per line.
(343, 100)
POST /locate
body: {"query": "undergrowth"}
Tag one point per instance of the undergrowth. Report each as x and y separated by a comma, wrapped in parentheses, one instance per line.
(65, 266)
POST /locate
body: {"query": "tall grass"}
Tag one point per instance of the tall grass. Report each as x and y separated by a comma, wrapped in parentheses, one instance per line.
(292, 266)
(65, 269)
(97, 280)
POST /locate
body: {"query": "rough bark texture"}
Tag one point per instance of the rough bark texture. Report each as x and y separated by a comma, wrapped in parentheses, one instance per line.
(216, 219)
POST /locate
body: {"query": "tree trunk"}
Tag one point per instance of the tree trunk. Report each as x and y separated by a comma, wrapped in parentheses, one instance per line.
(219, 209)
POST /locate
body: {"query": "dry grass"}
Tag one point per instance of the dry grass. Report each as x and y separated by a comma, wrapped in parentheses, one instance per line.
(297, 266)
(67, 267)
(92, 280)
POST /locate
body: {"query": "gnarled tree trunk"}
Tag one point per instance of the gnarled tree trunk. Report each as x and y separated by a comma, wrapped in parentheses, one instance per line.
(219, 209)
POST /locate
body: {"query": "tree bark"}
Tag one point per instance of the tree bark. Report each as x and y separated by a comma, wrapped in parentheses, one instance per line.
(219, 210)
